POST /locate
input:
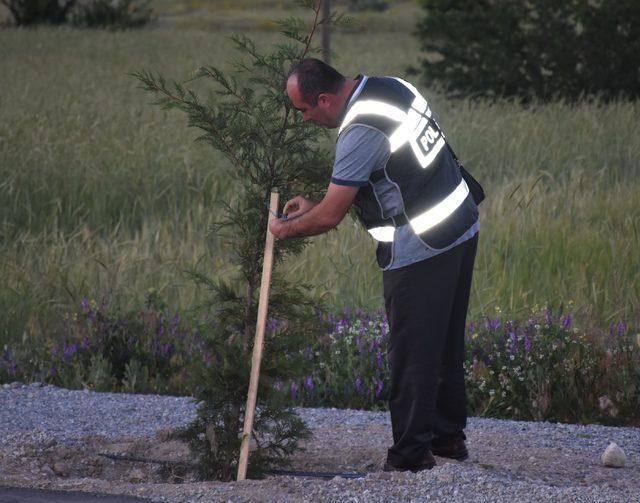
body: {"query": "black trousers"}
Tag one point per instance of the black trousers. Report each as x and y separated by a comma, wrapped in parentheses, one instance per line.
(426, 306)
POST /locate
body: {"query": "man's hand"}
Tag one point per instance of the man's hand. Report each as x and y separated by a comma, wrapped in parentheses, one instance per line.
(306, 218)
(297, 206)
(278, 228)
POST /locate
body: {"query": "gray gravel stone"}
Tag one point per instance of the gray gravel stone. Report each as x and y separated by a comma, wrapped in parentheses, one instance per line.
(511, 461)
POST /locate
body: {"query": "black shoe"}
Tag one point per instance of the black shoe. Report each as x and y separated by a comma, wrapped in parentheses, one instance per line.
(427, 463)
(455, 449)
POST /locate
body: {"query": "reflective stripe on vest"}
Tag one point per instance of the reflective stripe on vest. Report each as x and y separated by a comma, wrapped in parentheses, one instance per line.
(413, 126)
(430, 218)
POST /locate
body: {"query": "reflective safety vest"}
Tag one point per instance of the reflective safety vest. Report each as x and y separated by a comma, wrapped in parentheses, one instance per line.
(437, 203)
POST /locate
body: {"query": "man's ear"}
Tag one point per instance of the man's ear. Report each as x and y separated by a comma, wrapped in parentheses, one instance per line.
(324, 99)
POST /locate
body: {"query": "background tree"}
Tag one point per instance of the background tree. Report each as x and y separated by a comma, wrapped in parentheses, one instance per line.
(31, 12)
(249, 119)
(536, 49)
(113, 14)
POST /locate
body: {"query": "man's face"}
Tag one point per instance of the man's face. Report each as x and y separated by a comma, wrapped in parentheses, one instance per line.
(323, 113)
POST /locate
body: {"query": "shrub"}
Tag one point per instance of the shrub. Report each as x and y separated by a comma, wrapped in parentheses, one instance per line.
(539, 369)
(543, 369)
(362, 5)
(620, 401)
(32, 12)
(543, 48)
(113, 14)
(140, 351)
(348, 366)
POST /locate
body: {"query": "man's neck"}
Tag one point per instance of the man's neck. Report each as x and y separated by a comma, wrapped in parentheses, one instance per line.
(346, 90)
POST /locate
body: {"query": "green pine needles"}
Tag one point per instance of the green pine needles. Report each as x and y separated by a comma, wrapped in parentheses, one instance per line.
(248, 118)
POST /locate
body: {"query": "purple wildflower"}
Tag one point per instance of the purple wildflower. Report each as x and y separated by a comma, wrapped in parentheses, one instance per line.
(566, 321)
(9, 363)
(379, 359)
(84, 303)
(53, 371)
(379, 387)
(165, 349)
(490, 324)
(527, 343)
(358, 384)
(308, 352)
(384, 329)
(69, 350)
(548, 317)
(294, 391)
(622, 328)
(308, 383)
(513, 338)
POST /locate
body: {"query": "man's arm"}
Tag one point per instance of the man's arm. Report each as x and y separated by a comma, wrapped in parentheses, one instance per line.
(322, 217)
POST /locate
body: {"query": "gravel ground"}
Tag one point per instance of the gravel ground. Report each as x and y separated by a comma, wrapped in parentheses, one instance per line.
(52, 438)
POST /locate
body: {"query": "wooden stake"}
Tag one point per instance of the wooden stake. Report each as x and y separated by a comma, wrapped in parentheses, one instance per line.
(258, 343)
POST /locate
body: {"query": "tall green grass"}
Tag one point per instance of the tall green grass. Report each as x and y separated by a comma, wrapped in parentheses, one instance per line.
(103, 194)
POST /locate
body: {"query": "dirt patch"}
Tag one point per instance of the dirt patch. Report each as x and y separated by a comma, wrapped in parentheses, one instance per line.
(98, 464)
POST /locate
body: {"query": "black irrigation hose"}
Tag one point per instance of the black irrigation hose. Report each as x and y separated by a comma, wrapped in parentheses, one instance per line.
(120, 457)
(289, 473)
(320, 475)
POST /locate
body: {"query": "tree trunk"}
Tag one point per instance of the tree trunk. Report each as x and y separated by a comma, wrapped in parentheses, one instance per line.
(248, 325)
(326, 31)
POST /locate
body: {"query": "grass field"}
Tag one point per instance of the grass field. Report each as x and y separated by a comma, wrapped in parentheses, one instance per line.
(103, 194)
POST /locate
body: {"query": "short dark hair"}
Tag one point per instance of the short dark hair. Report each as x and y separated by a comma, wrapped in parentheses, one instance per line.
(315, 77)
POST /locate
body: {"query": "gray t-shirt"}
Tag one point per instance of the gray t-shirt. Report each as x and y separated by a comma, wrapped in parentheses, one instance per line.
(360, 151)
